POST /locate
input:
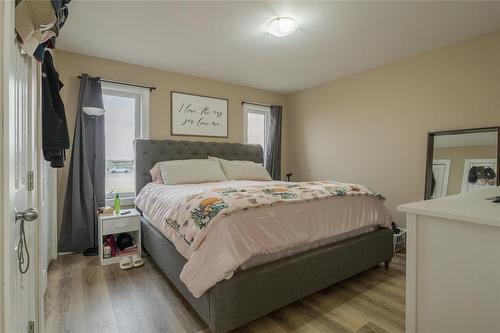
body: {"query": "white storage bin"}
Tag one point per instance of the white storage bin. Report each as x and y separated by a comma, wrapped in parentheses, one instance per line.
(399, 240)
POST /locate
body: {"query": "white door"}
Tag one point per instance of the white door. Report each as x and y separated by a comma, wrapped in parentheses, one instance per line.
(19, 162)
(441, 173)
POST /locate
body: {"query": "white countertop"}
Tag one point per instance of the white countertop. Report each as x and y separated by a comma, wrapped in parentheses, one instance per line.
(470, 207)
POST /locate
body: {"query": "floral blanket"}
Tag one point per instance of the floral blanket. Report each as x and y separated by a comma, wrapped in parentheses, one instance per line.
(200, 210)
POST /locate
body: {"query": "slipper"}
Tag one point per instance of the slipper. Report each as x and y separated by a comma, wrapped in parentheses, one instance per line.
(137, 260)
(126, 263)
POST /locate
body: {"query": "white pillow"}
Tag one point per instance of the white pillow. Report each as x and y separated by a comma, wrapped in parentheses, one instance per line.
(243, 170)
(191, 172)
(156, 172)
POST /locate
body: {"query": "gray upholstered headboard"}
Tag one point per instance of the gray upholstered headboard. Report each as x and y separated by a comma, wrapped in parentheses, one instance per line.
(148, 152)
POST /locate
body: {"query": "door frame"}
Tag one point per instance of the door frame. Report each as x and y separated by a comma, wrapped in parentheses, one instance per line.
(3, 104)
(447, 164)
(8, 75)
(47, 218)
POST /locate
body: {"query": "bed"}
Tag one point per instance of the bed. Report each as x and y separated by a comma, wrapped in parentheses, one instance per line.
(266, 286)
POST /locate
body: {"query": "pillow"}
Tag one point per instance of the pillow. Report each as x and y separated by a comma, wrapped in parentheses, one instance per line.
(191, 172)
(156, 172)
(243, 170)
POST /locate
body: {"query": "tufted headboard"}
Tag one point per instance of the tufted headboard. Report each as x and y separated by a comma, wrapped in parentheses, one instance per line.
(148, 152)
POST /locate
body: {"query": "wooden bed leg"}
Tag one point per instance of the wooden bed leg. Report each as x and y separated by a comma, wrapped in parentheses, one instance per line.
(387, 263)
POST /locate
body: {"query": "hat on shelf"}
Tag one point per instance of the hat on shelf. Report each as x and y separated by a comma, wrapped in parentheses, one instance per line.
(124, 240)
(472, 175)
(489, 173)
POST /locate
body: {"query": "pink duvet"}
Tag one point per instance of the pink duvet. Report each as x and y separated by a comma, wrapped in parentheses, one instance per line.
(220, 239)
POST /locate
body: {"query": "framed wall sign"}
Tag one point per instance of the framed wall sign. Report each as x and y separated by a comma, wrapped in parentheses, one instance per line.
(195, 115)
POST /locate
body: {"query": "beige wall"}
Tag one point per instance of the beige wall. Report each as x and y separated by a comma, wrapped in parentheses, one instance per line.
(457, 157)
(70, 65)
(371, 127)
(368, 128)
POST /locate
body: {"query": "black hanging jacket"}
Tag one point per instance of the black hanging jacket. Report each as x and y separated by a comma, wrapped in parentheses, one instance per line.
(55, 138)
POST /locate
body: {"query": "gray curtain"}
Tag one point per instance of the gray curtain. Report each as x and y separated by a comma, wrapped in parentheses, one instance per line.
(85, 187)
(272, 160)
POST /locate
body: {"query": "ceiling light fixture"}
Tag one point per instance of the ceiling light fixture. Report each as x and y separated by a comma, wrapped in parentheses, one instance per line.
(282, 26)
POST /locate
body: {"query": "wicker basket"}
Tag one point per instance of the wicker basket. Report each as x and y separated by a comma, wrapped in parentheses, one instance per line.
(399, 240)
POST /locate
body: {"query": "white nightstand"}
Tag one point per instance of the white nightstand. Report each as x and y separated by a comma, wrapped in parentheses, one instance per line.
(117, 224)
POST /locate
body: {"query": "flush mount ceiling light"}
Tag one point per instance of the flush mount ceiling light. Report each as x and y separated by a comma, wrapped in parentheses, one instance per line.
(282, 26)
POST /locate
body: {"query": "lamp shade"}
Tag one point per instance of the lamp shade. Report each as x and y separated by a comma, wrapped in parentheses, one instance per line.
(92, 103)
(93, 111)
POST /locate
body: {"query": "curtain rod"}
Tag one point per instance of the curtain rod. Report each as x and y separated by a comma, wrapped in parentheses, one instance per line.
(125, 83)
(254, 103)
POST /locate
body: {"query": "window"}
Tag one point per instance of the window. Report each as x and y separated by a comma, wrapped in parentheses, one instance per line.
(126, 118)
(256, 121)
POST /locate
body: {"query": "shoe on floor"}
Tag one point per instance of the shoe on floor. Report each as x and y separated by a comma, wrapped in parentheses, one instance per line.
(137, 261)
(126, 263)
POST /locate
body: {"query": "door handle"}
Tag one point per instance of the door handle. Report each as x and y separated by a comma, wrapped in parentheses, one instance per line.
(28, 215)
(23, 256)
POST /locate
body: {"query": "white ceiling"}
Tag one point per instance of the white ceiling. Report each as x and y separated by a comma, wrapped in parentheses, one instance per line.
(227, 41)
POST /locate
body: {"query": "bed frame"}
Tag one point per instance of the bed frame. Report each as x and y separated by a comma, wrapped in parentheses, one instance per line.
(255, 292)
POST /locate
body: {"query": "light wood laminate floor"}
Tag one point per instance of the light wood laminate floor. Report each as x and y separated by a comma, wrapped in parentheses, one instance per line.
(85, 297)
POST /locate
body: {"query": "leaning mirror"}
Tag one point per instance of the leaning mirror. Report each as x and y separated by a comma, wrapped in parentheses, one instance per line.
(461, 161)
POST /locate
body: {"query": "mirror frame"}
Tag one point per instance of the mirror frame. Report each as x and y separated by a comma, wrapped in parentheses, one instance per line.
(430, 153)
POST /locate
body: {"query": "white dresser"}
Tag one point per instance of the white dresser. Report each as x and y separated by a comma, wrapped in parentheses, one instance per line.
(453, 264)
